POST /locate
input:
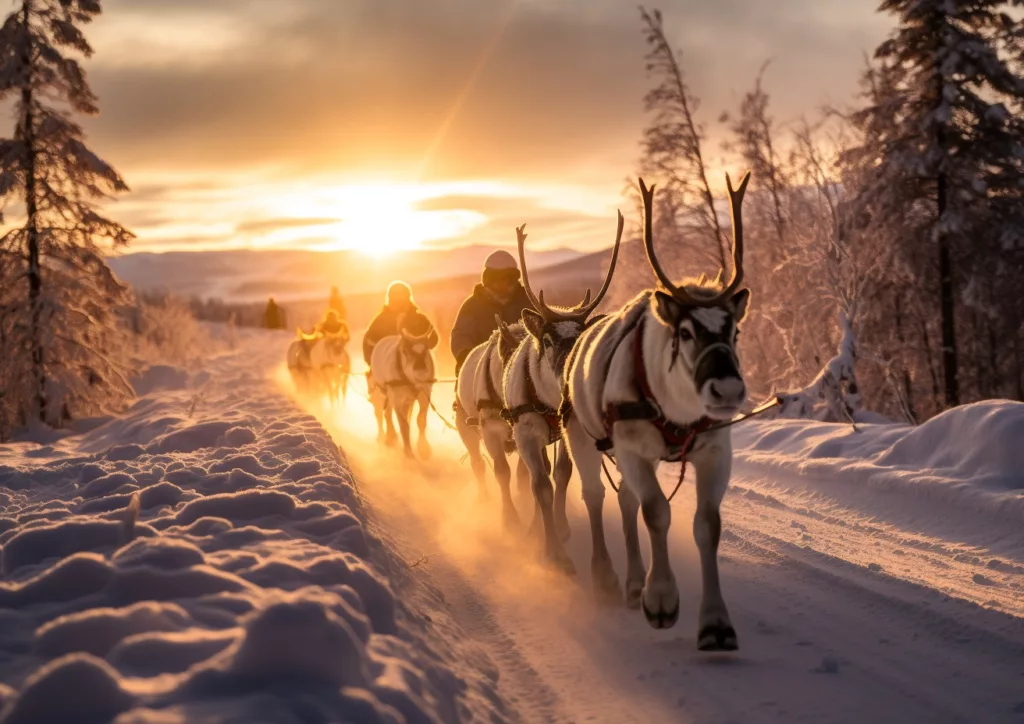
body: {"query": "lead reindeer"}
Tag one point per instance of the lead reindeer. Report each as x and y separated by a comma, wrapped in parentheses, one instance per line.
(402, 375)
(654, 383)
(533, 395)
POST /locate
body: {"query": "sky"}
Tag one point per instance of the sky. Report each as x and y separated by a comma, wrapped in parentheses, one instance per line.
(389, 124)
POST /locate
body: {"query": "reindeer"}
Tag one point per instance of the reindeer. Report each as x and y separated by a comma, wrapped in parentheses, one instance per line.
(533, 395)
(479, 406)
(329, 356)
(653, 383)
(300, 366)
(402, 374)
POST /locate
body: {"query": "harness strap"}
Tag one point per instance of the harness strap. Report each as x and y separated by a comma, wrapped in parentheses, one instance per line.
(534, 404)
(679, 439)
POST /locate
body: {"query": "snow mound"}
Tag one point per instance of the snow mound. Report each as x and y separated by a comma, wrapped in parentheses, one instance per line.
(207, 560)
(159, 377)
(970, 456)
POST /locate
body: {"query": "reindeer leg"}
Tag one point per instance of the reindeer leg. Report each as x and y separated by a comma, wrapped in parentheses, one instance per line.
(562, 474)
(660, 597)
(422, 446)
(635, 571)
(471, 439)
(494, 441)
(403, 411)
(532, 451)
(390, 437)
(525, 487)
(714, 628)
(588, 461)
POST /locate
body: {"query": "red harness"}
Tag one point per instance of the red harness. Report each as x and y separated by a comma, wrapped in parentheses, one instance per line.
(679, 439)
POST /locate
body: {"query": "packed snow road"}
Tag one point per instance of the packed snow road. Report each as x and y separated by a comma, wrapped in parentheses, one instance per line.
(851, 605)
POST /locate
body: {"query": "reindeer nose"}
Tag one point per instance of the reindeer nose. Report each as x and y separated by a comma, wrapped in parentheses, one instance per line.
(730, 389)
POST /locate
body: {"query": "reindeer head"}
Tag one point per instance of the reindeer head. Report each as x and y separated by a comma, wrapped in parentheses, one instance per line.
(508, 338)
(416, 352)
(556, 329)
(704, 317)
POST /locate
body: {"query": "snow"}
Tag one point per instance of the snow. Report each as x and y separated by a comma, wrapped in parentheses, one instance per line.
(211, 560)
(969, 456)
(212, 555)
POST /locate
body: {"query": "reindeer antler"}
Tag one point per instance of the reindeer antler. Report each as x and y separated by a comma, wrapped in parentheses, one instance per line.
(586, 307)
(680, 292)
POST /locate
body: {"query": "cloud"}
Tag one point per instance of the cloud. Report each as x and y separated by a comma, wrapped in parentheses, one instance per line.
(202, 99)
(257, 226)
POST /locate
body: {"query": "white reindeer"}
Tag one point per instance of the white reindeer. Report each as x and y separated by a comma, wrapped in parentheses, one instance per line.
(649, 384)
(402, 374)
(533, 395)
(479, 413)
(299, 366)
(331, 360)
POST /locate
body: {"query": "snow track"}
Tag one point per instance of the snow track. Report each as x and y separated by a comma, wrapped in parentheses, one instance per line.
(844, 613)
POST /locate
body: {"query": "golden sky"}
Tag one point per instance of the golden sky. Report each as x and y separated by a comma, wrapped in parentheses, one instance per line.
(384, 124)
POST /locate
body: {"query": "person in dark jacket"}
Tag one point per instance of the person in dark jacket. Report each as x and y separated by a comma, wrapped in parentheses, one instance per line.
(333, 323)
(499, 292)
(400, 313)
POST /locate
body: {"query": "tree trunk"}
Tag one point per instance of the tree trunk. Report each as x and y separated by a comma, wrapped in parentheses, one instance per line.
(947, 302)
(908, 388)
(35, 275)
(948, 305)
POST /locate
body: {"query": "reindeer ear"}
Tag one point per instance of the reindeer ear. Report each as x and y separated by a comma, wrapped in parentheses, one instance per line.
(533, 322)
(740, 303)
(666, 309)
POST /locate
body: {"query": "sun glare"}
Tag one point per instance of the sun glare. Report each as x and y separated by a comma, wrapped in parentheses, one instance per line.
(380, 220)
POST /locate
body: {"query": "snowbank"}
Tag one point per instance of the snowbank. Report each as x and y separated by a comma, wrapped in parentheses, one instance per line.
(206, 557)
(971, 456)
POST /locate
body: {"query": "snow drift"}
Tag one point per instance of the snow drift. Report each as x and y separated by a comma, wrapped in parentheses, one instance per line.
(206, 557)
(970, 456)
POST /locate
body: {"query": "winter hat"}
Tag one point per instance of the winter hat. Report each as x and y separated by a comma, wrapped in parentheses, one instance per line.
(500, 265)
(398, 290)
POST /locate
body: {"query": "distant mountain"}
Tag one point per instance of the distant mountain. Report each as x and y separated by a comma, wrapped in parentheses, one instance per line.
(250, 275)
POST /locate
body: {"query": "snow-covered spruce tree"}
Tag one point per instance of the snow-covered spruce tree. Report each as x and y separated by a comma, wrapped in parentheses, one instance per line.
(945, 147)
(58, 303)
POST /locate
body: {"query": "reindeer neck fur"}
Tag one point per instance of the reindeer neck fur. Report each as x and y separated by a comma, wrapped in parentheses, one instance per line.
(528, 360)
(671, 383)
(495, 369)
(409, 372)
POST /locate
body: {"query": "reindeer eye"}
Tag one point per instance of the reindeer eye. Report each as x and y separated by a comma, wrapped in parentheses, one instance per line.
(684, 334)
(546, 341)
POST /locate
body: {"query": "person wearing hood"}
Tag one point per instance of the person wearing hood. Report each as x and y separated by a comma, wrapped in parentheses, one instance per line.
(499, 292)
(399, 314)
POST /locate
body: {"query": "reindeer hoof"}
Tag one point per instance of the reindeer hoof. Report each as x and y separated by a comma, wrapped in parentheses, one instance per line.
(660, 619)
(717, 637)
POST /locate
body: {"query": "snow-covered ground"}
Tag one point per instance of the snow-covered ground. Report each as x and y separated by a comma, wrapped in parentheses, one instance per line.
(208, 557)
(872, 576)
